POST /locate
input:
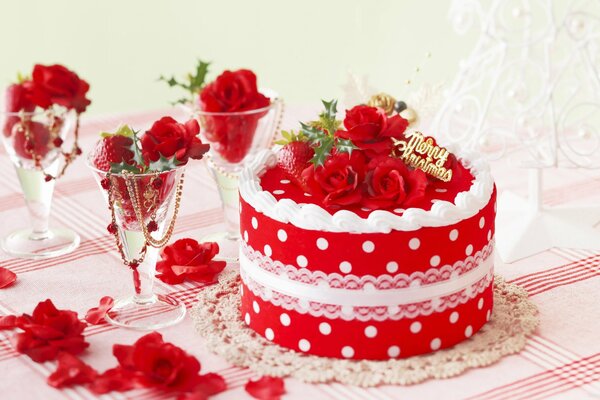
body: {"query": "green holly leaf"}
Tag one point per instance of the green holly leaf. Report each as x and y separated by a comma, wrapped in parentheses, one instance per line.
(330, 109)
(197, 79)
(322, 151)
(164, 164)
(345, 146)
(194, 82)
(312, 133)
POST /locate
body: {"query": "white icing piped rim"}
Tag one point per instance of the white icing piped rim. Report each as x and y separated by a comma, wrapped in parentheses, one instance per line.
(313, 217)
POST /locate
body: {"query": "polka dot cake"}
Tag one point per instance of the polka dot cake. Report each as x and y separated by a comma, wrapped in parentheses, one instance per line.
(356, 283)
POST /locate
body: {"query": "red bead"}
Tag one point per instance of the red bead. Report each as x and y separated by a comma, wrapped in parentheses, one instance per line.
(48, 178)
(152, 226)
(157, 183)
(133, 265)
(29, 145)
(78, 151)
(105, 183)
(57, 142)
(111, 228)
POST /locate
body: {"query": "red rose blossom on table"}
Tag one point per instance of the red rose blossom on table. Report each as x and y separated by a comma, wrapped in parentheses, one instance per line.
(7, 277)
(370, 129)
(389, 182)
(71, 371)
(169, 138)
(266, 388)
(56, 84)
(49, 331)
(338, 181)
(156, 363)
(188, 259)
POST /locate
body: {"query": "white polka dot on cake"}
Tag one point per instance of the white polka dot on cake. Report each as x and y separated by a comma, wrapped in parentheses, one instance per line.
(284, 181)
(480, 304)
(254, 223)
(441, 190)
(269, 334)
(391, 267)
(393, 351)
(278, 191)
(322, 244)
(453, 234)
(489, 236)
(268, 250)
(399, 210)
(435, 344)
(469, 331)
(368, 246)
(347, 352)
(469, 250)
(345, 267)
(365, 209)
(324, 328)
(247, 319)
(435, 261)
(414, 244)
(285, 319)
(281, 235)
(304, 345)
(454, 317)
(245, 236)
(481, 222)
(416, 327)
(255, 307)
(302, 261)
(488, 315)
(307, 194)
(370, 331)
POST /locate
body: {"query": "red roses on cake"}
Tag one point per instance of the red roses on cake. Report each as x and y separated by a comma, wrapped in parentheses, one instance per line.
(351, 163)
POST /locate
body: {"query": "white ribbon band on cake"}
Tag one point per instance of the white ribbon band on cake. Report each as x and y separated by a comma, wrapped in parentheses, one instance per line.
(365, 297)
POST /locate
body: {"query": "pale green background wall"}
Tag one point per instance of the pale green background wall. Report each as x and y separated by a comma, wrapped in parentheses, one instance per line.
(300, 48)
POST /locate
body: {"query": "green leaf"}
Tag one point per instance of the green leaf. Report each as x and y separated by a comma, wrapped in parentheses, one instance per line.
(164, 164)
(345, 145)
(194, 82)
(330, 108)
(197, 80)
(322, 151)
(118, 168)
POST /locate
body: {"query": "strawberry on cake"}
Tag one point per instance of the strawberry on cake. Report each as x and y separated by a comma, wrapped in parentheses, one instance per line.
(365, 240)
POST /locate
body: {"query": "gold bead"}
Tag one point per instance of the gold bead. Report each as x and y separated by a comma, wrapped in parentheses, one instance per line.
(383, 101)
(410, 115)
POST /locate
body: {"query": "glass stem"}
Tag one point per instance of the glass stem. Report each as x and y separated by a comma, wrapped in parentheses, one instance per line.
(38, 197)
(227, 184)
(143, 275)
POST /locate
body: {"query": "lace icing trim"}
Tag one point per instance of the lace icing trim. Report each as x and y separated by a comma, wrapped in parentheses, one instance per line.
(217, 319)
(381, 282)
(383, 313)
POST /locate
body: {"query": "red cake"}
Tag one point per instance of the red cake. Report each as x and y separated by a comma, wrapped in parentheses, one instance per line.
(349, 281)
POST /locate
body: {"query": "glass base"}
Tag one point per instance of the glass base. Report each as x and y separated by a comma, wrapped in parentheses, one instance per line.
(155, 312)
(229, 246)
(55, 242)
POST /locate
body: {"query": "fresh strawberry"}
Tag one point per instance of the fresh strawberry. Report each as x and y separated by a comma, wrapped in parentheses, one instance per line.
(16, 99)
(293, 158)
(113, 148)
(39, 139)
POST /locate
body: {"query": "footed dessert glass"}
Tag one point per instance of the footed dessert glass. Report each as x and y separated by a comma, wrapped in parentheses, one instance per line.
(138, 201)
(31, 139)
(235, 138)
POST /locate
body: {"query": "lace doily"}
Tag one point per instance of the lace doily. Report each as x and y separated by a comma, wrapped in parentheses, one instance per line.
(216, 318)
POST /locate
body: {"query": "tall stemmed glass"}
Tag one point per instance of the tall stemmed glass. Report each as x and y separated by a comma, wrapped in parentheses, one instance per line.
(32, 141)
(235, 138)
(136, 201)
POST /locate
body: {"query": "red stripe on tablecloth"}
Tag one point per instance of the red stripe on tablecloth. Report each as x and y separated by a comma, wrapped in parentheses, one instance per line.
(534, 276)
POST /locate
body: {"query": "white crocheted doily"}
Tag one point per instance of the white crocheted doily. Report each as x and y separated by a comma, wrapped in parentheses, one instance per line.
(216, 317)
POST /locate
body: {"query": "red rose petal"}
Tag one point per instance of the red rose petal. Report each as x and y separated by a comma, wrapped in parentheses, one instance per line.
(113, 380)
(7, 277)
(266, 388)
(210, 384)
(8, 322)
(96, 314)
(71, 371)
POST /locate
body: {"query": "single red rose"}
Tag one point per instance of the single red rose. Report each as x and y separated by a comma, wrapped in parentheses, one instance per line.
(233, 91)
(390, 182)
(370, 129)
(338, 181)
(114, 380)
(169, 138)
(71, 371)
(159, 364)
(188, 259)
(48, 331)
(207, 385)
(8, 322)
(55, 84)
(96, 314)
(7, 277)
(266, 388)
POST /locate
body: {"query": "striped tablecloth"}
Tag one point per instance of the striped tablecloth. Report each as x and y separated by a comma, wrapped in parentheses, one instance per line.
(561, 360)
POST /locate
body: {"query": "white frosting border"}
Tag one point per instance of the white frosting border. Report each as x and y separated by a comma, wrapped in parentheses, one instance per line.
(313, 217)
